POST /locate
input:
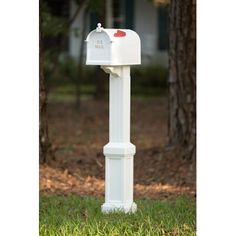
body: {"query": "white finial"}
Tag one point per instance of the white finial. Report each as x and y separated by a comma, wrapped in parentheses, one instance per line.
(99, 28)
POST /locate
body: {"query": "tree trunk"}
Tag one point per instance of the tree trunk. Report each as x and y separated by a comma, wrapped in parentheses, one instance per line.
(182, 79)
(45, 147)
(81, 54)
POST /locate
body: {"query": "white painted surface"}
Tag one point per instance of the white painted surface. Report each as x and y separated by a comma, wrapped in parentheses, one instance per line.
(113, 47)
(119, 94)
(119, 152)
(146, 25)
(76, 28)
(113, 54)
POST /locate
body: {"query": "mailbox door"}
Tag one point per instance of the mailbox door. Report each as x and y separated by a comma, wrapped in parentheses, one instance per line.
(98, 49)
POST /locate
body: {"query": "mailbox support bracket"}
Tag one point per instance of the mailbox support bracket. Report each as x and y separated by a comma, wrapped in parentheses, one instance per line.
(119, 152)
(115, 71)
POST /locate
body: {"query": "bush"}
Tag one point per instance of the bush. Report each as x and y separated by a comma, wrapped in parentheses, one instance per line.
(150, 75)
(146, 80)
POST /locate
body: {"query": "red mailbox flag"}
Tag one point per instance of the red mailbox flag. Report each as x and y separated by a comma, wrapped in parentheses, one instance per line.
(119, 33)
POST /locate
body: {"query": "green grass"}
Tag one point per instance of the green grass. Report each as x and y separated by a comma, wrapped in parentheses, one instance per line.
(75, 216)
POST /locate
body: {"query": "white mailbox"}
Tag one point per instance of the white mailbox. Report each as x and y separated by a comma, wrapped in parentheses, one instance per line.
(113, 47)
(115, 50)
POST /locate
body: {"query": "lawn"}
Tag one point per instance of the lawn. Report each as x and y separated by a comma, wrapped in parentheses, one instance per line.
(75, 216)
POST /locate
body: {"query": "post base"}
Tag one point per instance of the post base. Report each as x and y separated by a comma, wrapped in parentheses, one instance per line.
(119, 207)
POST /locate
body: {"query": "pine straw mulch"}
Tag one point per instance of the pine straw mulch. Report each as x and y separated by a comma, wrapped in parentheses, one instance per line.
(78, 138)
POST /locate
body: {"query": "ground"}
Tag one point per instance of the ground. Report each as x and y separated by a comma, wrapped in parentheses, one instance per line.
(78, 139)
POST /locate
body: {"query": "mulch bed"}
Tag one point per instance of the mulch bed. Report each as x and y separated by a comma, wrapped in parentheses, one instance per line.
(78, 138)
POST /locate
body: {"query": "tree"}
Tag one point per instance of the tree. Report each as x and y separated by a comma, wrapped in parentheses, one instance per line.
(81, 51)
(182, 78)
(45, 147)
(54, 29)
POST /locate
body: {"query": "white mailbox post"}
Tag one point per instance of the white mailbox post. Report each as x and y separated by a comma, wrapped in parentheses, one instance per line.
(115, 50)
